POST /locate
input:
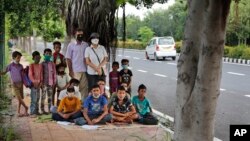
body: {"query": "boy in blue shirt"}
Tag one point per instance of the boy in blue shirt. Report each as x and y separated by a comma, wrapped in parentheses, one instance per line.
(143, 107)
(95, 107)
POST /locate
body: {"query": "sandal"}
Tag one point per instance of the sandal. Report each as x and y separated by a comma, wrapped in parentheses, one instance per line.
(20, 115)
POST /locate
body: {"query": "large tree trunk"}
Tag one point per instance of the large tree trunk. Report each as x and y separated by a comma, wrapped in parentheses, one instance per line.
(93, 16)
(199, 70)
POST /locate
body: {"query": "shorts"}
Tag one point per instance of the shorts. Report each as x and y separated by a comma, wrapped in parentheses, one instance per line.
(17, 89)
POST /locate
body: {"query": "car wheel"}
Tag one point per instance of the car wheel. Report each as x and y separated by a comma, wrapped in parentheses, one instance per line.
(147, 57)
(163, 58)
(155, 57)
(173, 58)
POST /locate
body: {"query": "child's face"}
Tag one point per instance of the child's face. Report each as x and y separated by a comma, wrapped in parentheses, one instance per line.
(37, 59)
(61, 69)
(17, 59)
(121, 94)
(96, 92)
(125, 65)
(48, 53)
(115, 67)
(101, 86)
(57, 48)
(142, 92)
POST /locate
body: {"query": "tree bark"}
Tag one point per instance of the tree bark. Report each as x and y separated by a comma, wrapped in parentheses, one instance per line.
(199, 70)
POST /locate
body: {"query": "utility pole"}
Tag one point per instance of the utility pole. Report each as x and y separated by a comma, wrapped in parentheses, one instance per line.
(2, 41)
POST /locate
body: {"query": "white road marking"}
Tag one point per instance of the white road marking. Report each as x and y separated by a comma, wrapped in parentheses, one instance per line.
(127, 56)
(145, 59)
(160, 75)
(158, 61)
(235, 73)
(222, 89)
(172, 64)
(136, 58)
(119, 55)
(247, 95)
(130, 68)
(142, 71)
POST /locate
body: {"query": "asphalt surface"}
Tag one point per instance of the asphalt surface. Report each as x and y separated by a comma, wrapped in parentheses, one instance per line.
(160, 77)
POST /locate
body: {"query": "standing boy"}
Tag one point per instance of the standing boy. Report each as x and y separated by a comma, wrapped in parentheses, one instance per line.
(36, 77)
(15, 69)
(49, 79)
(126, 74)
(114, 77)
(58, 58)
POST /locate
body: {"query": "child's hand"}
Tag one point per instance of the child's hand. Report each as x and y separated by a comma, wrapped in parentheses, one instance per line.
(90, 123)
(96, 120)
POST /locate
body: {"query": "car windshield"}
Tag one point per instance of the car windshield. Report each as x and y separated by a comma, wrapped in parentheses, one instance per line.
(166, 41)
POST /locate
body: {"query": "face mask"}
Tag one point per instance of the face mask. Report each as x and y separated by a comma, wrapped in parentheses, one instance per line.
(70, 94)
(96, 96)
(79, 38)
(76, 88)
(47, 58)
(95, 41)
(125, 66)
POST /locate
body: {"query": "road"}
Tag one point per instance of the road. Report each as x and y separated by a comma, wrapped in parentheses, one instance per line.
(160, 78)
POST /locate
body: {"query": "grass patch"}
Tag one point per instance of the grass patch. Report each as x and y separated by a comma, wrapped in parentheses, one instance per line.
(44, 118)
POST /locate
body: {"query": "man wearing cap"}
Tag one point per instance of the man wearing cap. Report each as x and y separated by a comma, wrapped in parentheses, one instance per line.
(96, 59)
(76, 62)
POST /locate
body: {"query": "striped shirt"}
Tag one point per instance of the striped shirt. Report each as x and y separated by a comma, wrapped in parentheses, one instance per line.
(49, 73)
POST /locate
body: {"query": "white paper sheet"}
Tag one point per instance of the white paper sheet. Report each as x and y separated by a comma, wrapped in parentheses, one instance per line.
(63, 122)
(90, 127)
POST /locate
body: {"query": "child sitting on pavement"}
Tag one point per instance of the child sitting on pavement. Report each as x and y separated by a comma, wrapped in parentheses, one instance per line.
(114, 95)
(15, 69)
(95, 108)
(102, 83)
(143, 107)
(122, 109)
(69, 109)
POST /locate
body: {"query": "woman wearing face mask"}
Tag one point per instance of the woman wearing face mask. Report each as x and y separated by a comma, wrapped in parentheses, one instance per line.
(96, 59)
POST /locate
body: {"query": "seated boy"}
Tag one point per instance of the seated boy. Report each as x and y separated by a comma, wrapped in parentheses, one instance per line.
(69, 108)
(143, 107)
(72, 83)
(95, 108)
(122, 109)
(114, 95)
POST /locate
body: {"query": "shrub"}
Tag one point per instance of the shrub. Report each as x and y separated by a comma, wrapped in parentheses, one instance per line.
(178, 46)
(227, 49)
(237, 52)
(246, 54)
(131, 45)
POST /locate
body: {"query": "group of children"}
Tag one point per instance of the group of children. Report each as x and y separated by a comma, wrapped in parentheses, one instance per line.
(97, 109)
(49, 78)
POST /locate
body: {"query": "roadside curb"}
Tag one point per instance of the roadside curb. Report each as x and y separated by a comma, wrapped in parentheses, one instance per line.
(164, 118)
(236, 61)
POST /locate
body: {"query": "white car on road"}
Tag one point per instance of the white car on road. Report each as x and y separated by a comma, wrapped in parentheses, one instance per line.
(161, 47)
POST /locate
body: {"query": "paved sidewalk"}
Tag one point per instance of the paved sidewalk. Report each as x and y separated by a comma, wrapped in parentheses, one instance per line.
(29, 130)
